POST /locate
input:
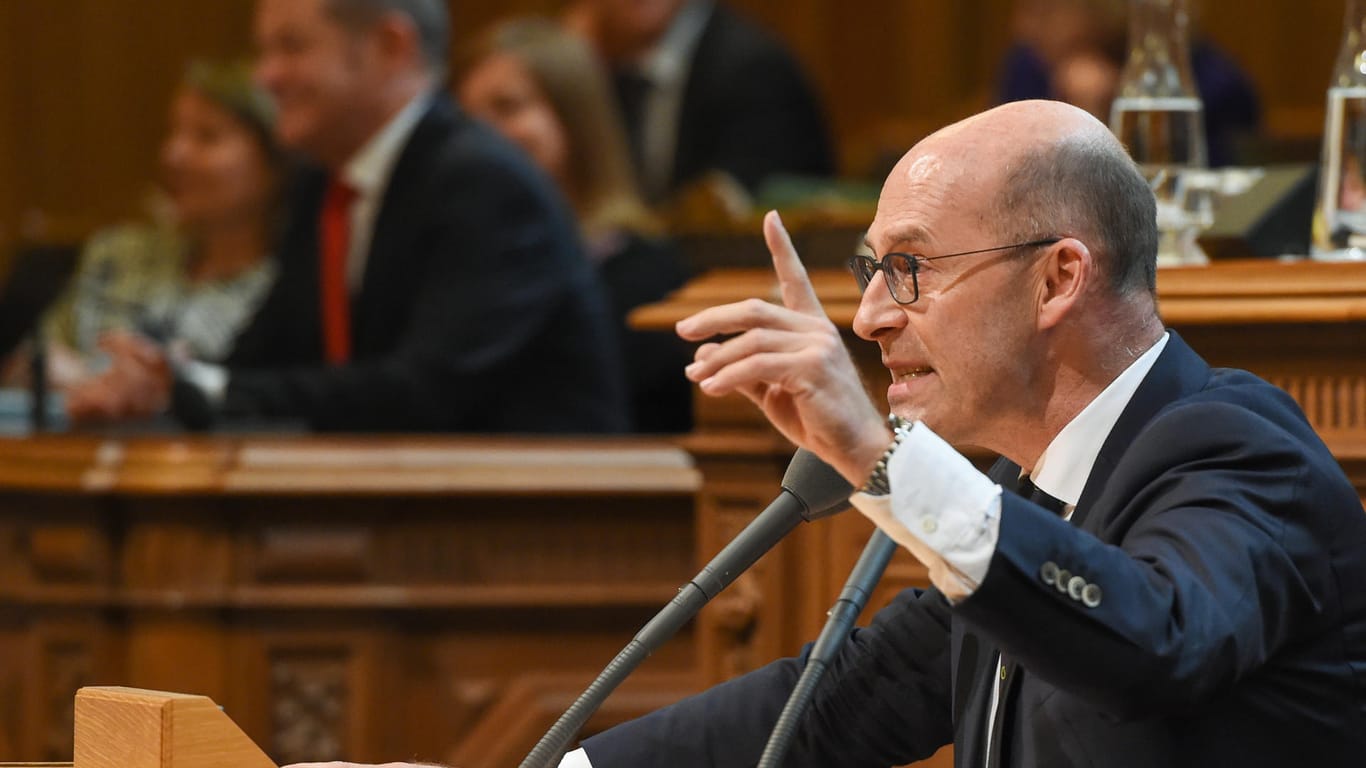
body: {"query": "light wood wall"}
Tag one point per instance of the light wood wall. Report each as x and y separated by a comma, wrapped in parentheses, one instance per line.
(84, 83)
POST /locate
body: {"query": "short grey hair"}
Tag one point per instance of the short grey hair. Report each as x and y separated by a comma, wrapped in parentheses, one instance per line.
(429, 17)
(1087, 187)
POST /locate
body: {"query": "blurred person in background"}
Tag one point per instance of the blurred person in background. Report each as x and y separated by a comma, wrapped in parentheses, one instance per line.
(542, 87)
(1074, 51)
(703, 89)
(193, 276)
(431, 278)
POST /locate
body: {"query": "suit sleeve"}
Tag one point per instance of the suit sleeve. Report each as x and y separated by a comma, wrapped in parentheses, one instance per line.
(1221, 559)
(884, 702)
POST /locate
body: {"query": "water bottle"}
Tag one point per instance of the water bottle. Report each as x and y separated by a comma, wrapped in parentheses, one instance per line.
(1159, 117)
(1340, 216)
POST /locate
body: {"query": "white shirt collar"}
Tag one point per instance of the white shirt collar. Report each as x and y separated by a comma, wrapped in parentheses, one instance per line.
(1066, 463)
(368, 170)
(667, 63)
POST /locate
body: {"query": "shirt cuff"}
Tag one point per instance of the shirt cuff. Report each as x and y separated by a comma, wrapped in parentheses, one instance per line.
(576, 759)
(941, 508)
(211, 379)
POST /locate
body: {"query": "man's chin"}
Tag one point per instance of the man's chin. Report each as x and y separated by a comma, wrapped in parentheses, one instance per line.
(296, 136)
(907, 411)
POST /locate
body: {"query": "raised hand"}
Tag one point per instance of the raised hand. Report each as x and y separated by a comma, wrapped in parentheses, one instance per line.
(791, 362)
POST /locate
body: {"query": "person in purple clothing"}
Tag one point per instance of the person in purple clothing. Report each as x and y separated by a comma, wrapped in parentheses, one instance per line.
(1073, 51)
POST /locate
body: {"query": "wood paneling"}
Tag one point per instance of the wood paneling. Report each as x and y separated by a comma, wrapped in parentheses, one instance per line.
(84, 83)
(442, 599)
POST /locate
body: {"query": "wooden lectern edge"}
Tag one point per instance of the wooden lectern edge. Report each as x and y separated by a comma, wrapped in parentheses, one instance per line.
(119, 727)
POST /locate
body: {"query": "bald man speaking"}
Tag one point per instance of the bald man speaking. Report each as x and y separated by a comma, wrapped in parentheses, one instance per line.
(1164, 569)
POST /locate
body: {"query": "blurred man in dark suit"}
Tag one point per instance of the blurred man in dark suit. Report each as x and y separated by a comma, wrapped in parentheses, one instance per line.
(431, 278)
(703, 89)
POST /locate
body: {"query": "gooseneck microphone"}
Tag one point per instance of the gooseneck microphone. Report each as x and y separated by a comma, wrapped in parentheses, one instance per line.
(812, 489)
(857, 589)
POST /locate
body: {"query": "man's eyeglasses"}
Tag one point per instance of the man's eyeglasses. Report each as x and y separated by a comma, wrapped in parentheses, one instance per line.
(899, 270)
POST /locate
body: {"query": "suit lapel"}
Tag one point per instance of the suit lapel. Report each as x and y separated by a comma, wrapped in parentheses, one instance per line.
(388, 260)
(1177, 372)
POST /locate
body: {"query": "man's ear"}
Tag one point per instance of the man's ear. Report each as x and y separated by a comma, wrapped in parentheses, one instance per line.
(398, 41)
(1068, 269)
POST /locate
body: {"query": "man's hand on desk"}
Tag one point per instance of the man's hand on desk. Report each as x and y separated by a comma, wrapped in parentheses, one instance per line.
(136, 385)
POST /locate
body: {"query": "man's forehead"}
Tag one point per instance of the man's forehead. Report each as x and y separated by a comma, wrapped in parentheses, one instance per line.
(906, 232)
(274, 13)
(923, 189)
(923, 168)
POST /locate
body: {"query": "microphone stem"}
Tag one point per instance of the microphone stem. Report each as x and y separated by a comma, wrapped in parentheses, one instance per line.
(761, 535)
(859, 587)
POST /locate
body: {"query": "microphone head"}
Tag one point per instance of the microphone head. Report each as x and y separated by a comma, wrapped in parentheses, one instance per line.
(817, 485)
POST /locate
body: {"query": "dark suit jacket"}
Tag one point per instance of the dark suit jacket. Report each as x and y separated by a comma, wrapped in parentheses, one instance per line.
(641, 271)
(477, 311)
(747, 108)
(1230, 552)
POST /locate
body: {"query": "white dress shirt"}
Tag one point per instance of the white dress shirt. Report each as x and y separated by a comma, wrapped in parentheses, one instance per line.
(576, 759)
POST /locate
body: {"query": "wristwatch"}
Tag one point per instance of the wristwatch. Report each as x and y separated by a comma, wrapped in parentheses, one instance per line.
(877, 484)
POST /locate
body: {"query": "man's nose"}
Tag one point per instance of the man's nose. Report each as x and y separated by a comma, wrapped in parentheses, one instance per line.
(877, 312)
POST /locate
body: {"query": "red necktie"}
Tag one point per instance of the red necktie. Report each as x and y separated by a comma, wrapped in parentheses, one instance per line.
(334, 237)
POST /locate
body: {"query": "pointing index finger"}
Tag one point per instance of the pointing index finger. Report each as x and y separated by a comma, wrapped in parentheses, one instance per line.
(792, 279)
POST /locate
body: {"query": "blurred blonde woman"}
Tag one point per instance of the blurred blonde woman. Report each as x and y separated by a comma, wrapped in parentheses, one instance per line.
(194, 275)
(544, 88)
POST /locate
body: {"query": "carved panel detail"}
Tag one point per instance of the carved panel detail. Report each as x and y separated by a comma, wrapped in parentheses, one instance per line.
(566, 542)
(1332, 403)
(338, 552)
(310, 694)
(737, 613)
(67, 665)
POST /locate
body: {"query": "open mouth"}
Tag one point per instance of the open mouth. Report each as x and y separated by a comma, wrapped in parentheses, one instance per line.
(905, 374)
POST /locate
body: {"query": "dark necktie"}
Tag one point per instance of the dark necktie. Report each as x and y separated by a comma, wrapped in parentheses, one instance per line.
(1030, 491)
(1007, 682)
(334, 238)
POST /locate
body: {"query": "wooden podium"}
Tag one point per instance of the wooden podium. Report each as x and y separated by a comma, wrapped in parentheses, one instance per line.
(134, 728)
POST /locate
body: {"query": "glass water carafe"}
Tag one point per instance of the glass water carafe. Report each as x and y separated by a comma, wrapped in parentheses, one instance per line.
(1160, 119)
(1340, 216)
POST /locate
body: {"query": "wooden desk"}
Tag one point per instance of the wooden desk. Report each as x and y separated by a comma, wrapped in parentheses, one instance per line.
(372, 599)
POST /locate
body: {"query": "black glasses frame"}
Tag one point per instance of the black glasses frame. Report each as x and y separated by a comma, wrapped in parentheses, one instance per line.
(897, 267)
